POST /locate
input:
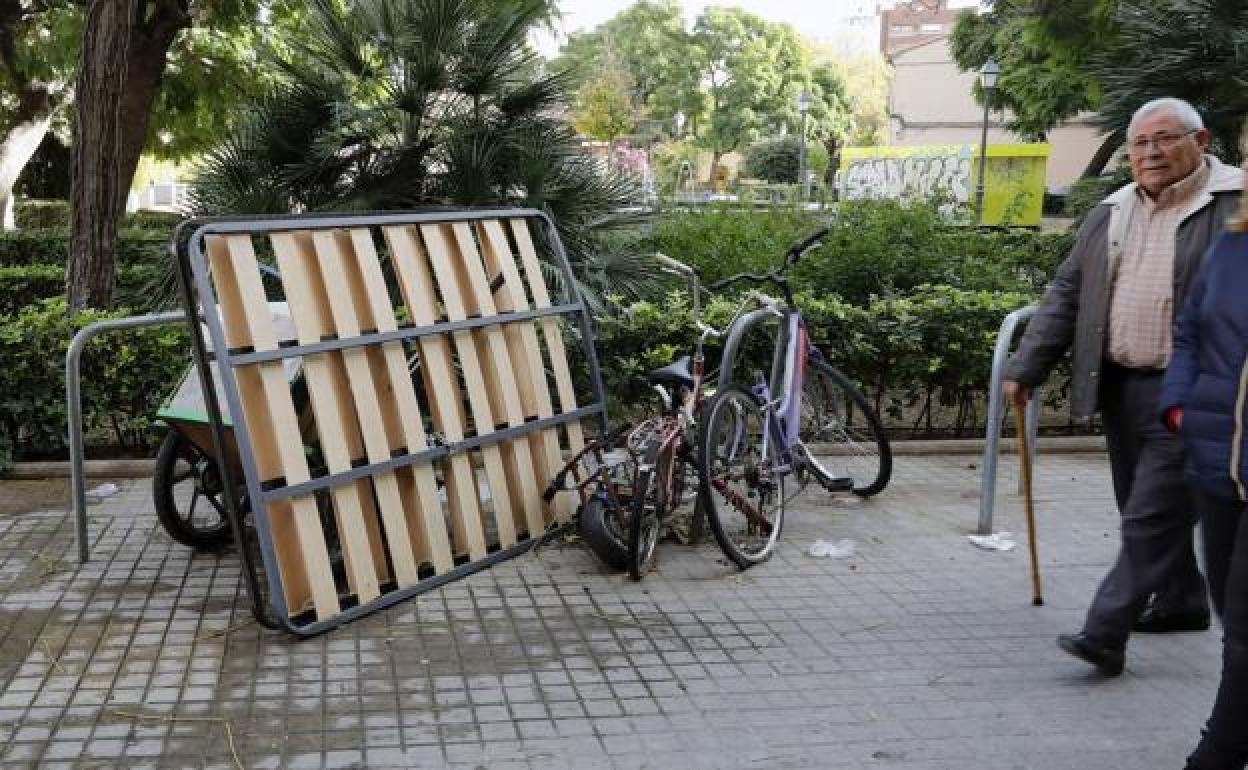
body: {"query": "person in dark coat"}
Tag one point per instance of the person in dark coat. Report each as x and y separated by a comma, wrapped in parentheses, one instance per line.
(1111, 302)
(1205, 399)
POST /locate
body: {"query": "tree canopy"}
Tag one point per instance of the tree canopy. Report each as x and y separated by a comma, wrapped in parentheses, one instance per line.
(1194, 49)
(1062, 57)
(735, 76)
(1044, 49)
(395, 104)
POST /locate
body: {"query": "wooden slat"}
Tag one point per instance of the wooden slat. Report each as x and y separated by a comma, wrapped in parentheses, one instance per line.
(437, 365)
(354, 506)
(514, 286)
(447, 264)
(303, 558)
(518, 366)
(332, 255)
(417, 483)
(550, 331)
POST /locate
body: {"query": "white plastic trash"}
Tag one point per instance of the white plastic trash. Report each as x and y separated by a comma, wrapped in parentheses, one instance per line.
(839, 549)
(107, 489)
(997, 541)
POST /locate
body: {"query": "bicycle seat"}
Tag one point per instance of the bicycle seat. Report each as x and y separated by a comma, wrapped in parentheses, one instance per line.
(675, 373)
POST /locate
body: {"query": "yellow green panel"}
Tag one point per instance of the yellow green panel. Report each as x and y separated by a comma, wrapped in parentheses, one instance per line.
(1014, 179)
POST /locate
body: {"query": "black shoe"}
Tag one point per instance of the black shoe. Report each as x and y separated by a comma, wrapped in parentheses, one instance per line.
(1108, 660)
(1155, 621)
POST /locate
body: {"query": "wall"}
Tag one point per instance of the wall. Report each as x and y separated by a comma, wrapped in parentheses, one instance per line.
(931, 104)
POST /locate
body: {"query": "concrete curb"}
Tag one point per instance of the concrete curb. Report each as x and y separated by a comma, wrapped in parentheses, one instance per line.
(142, 468)
(95, 469)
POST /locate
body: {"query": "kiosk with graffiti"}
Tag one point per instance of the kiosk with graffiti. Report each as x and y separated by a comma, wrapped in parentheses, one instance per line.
(1014, 178)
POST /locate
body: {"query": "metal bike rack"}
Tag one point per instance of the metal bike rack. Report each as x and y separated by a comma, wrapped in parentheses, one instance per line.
(996, 413)
(73, 400)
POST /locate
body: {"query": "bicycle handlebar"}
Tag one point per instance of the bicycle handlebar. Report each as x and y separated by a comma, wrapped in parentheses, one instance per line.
(796, 251)
(739, 277)
(774, 276)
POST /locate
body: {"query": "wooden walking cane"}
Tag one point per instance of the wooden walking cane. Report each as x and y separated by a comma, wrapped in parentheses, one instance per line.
(1024, 460)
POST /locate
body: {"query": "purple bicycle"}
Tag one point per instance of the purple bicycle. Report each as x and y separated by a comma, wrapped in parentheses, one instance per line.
(807, 421)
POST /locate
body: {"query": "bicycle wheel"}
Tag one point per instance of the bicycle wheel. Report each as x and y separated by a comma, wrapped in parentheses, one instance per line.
(643, 531)
(745, 498)
(604, 532)
(188, 496)
(839, 424)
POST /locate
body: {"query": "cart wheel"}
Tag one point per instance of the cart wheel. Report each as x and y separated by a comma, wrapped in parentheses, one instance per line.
(187, 493)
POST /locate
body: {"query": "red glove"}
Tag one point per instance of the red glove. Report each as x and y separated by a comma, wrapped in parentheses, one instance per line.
(1174, 419)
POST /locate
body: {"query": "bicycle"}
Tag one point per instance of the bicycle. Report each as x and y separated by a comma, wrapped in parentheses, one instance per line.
(623, 518)
(753, 439)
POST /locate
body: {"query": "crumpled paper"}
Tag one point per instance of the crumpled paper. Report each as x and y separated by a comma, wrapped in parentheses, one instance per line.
(839, 549)
(997, 541)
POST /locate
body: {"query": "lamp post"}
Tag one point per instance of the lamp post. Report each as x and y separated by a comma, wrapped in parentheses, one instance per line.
(803, 106)
(988, 82)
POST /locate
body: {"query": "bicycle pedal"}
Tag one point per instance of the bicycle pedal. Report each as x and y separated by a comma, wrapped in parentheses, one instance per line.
(843, 484)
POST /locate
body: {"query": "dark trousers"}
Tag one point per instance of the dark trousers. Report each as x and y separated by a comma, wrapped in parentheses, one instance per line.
(1225, 743)
(1157, 555)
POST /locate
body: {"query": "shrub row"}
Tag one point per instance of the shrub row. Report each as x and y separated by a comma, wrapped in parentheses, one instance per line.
(923, 358)
(139, 287)
(51, 247)
(54, 215)
(905, 304)
(875, 248)
(125, 377)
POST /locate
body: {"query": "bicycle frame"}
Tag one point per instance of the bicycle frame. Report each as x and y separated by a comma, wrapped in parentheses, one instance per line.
(792, 350)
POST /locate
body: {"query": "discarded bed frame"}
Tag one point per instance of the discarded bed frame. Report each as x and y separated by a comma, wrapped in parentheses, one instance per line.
(379, 481)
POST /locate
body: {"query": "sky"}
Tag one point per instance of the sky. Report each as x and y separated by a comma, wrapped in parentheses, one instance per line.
(848, 22)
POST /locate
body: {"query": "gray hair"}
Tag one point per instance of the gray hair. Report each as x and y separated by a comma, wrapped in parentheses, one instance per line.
(1182, 110)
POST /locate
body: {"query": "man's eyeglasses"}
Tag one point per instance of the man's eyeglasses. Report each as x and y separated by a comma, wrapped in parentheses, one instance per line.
(1163, 142)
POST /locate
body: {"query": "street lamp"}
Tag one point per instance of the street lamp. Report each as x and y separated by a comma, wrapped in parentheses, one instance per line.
(988, 82)
(803, 106)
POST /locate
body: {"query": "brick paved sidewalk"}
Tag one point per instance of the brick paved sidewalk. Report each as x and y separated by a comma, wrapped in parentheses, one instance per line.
(920, 651)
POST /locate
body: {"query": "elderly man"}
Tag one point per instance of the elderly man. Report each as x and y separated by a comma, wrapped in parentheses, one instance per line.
(1113, 301)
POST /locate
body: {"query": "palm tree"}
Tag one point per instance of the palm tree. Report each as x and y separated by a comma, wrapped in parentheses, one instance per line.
(1193, 49)
(396, 104)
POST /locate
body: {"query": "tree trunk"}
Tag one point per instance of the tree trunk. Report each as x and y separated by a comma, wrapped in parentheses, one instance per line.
(34, 114)
(119, 72)
(1104, 154)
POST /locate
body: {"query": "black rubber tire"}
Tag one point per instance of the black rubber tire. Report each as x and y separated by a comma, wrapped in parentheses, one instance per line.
(874, 455)
(712, 502)
(643, 527)
(213, 535)
(599, 535)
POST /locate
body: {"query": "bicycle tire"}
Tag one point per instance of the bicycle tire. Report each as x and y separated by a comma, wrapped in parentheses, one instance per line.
(599, 533)
(179, 520)
(643, 530)
(738, 507)
(861, 450)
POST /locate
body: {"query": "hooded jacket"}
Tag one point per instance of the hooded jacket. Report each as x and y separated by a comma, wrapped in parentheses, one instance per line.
(1074, 313)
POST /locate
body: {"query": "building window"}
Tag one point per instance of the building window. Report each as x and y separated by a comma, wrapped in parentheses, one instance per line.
(929, 29)
(902, 29)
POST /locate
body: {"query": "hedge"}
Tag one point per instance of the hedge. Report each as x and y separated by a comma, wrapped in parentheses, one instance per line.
(924, 359)
(125, 378)
(905, 304)
(51, 247)
(139, 287)
(35, 214)
(875, 248)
